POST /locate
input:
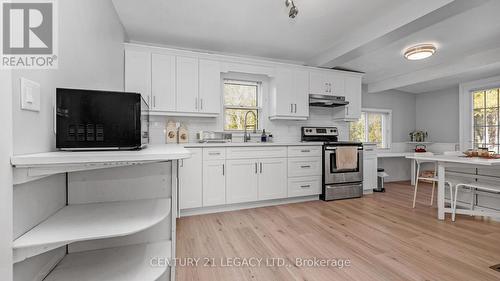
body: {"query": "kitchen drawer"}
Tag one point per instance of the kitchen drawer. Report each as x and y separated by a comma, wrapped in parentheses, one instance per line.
(256, 152)
(304, 151)
(303, 167)
(304, 186)
(218, 153)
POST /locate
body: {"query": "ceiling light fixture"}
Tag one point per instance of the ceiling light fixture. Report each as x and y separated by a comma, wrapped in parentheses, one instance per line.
(293, 9)
(420, 52)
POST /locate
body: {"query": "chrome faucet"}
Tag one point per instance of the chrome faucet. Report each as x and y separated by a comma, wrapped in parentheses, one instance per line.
(246, 136)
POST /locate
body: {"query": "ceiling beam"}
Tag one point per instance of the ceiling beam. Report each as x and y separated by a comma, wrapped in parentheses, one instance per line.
(489, 59)
(399, 23)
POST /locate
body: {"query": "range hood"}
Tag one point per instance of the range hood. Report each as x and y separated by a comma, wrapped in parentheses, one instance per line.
(327, 101)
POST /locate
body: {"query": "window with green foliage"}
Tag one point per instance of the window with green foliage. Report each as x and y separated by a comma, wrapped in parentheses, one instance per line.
(373, 126)
(486, 125)
(241, 97)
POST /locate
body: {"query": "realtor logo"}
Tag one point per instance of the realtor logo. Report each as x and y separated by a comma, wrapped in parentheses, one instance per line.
(29, 34)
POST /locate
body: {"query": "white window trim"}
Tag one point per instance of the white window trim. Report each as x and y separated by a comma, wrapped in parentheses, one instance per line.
(243, 80)
(386, 124)
(465, 107)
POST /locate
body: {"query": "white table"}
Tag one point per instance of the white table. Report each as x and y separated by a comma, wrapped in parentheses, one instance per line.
(448, 161)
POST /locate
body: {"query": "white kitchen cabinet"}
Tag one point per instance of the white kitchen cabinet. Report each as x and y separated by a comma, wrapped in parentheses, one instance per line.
(163, 97)
(326, 83)
(242, 181)
(305, 166)
(210, 86)
(187, 84)
(369, 168)
(290, 95)
(138, 73)
(272, 178)
(191, 180)
(352, 111)
(304, 186)
(214, 183)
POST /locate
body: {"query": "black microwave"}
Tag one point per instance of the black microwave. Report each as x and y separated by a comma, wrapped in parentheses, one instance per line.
(100, 120)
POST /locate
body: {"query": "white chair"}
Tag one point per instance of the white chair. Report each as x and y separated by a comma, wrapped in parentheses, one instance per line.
(433, 179)
(473, 188)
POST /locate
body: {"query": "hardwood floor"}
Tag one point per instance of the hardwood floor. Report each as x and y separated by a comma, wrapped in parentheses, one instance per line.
(380, 234)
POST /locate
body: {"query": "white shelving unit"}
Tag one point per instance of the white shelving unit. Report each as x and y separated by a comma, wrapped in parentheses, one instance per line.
(83, 222)
(120, 229)
(131, 263)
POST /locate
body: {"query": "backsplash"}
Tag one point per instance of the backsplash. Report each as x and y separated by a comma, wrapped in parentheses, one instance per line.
(282, 130)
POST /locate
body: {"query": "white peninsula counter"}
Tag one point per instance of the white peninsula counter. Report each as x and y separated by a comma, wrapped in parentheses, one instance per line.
(450, 166)
(120, 212)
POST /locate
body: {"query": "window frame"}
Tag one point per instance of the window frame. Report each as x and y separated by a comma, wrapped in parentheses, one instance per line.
(485, 125)
(258, 102)
(386, 126)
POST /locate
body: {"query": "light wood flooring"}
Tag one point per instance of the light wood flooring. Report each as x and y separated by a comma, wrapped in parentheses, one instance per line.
(380, 234)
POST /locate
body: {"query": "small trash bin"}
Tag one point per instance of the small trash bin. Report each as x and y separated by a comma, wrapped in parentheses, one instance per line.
(381, 174)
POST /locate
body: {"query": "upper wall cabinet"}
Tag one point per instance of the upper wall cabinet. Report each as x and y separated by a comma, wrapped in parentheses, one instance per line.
(210, 86)
(289, 98)
(327, 83)
(138, 73)
(163, 96)
(187, 85)
(352, 111)
(174, 85)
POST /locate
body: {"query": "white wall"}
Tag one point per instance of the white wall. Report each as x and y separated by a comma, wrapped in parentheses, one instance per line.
(6, 176)
(90, 57)
(438, 114)
(403, 110)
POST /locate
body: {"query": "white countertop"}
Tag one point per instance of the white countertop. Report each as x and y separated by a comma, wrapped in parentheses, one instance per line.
(388, 154)
(151, 153)
(457, 159)
(248, 144)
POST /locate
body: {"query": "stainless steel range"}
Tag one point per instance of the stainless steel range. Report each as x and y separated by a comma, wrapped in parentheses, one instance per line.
(337, 183)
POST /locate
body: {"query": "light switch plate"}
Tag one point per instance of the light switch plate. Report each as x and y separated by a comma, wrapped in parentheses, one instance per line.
(30, 95)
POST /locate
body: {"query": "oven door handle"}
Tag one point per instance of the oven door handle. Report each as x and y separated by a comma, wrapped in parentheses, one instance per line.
(332, 148)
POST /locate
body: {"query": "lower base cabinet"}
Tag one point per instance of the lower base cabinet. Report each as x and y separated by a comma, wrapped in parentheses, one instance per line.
(256, 179)
(304, 186)
(369, 168)
(220, 176)
(272, 178)
(190, 180)
(242, 181)
(214, 183)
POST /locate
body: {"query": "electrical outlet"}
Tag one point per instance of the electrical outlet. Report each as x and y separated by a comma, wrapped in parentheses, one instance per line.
(30, 95)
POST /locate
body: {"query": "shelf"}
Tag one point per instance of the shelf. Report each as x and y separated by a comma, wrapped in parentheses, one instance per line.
(130, 263)
(84, 222)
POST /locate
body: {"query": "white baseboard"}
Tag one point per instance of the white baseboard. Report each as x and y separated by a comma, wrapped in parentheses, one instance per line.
(242, 206)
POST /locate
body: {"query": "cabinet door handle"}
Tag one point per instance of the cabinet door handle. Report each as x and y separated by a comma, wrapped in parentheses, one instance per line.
(291, 108)
(347, 110)
(305, 150)
(256, 167)
(261, 167)
(295, 108)
(154, 101)
(201, 104)
(305, 186)
(182, 163)
(214, 153)
(223, 169)
(305, 166)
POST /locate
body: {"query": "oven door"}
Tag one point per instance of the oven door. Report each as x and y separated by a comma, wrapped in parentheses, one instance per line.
(333, 175)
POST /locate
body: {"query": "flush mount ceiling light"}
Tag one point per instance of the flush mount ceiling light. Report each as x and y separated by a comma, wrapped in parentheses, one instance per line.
(420, 52)
(293, 9)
